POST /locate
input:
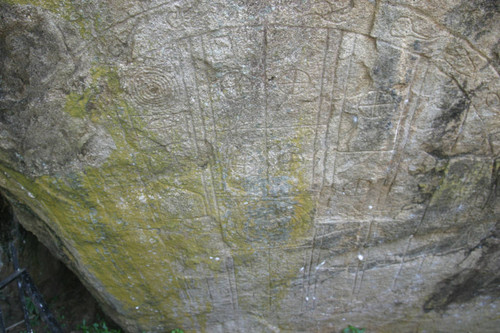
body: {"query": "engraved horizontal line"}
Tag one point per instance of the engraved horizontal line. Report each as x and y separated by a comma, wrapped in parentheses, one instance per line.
(365, 151)
(329, 221)
(180, 125)
(259, 197)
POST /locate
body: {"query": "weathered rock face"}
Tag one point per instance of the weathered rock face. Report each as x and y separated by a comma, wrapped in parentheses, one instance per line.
(256, 165)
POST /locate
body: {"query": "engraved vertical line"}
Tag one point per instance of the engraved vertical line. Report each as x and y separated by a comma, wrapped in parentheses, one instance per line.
(362, 276)
(405, 101)
(266, 106)
(209, 290)
(355, 280)
(212, 113)
(417, 228)
(421, 264)
(215, 208)
(402, 263)
(308, 267)
(269, 281)
(193, 65)
(365, 255)
(464, 235)
(374, 16)
(191, 304)
(310, 264)
(332, 109)
(399, 151)
(235, 284)
(304, 280)
(375, 103)
(483, 128)
(422, 219)
(316, 275)
(318, 116)
(460, 129)
(359, 244)
(193, 126)
(214, 195)
(344, 100)
(229, 264)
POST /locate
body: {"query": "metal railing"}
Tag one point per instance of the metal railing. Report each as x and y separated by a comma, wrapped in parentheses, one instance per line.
(26, 287)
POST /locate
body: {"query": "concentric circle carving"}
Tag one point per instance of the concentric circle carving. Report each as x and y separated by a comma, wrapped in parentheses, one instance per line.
(151, 87)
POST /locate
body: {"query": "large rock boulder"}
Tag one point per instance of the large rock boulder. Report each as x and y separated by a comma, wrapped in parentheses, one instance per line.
(292, 166)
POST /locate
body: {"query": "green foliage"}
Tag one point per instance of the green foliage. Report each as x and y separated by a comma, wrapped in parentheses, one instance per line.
(176, 330)
(33, 312)
(96, 328)
(35, 319)
(84, 327)
(352, 329)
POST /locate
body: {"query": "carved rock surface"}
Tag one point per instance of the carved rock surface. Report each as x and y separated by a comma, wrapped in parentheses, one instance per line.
(236, 166)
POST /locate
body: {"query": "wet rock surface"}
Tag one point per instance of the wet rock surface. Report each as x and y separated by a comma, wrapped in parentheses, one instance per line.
(229, 166)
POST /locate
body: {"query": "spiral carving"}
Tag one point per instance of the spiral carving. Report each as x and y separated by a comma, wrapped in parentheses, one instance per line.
(153, 87)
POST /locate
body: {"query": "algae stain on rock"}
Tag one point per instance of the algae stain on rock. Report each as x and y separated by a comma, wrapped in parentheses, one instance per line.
(120, 202)
(150, 199)
(69, 10)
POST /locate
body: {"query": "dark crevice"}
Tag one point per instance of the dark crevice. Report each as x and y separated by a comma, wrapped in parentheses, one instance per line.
(482, 279)
(68, 299)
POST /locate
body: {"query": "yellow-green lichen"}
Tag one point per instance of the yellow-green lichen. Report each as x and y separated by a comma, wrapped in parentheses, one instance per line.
(123, 202)
(63, 8)
(167, 209)
(458, 182)
(76, 104)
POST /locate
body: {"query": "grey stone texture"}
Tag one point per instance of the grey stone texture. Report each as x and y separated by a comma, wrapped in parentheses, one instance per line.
(261, 166)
